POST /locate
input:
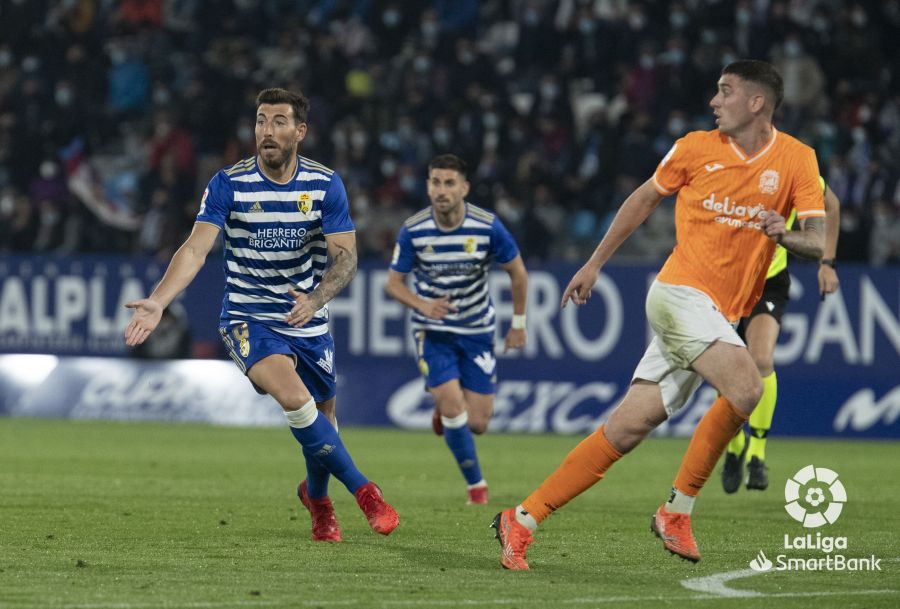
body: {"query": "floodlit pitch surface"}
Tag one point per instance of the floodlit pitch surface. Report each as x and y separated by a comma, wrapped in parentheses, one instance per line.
(125, 516)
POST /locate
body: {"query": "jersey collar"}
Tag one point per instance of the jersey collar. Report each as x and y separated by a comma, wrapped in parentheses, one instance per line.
(737, 149)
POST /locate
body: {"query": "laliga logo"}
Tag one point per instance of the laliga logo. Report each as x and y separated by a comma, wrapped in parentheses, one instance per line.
(819, 483)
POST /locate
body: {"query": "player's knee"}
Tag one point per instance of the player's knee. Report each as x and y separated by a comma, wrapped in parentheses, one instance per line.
(451, 408)
(293, 402)
(750, 394)
(478, 426)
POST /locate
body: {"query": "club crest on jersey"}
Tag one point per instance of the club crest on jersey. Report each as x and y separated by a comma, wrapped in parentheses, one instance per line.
(469, 245)
(428, 249)
(768, 182)
(304, 203)
(256, 208)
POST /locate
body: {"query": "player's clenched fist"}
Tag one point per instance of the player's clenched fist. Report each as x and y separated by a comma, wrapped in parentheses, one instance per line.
(579, 288)
(147, 314)
(303, 310)
(773, 225)
(436, 308)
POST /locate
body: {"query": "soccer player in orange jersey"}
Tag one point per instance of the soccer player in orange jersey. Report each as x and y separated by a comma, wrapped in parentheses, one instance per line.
(735, 187)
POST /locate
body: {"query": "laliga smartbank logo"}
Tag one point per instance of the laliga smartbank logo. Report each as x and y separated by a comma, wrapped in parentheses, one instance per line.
(815, 497)
(824, 496)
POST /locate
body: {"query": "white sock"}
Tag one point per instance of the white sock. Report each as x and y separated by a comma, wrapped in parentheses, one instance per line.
(525, 519)
(479, 484)
(679, 503)
(304, 416)
(455, 422)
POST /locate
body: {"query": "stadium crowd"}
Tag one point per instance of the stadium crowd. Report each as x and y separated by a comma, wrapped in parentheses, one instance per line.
(115, 114)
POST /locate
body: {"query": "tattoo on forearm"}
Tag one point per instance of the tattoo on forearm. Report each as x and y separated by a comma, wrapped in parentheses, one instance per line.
(809, 242)
(338, 275)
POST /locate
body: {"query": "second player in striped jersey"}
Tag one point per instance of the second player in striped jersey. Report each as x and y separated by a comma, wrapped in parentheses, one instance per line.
(450, 247)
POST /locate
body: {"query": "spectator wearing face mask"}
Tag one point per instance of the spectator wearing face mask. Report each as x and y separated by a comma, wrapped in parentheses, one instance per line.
(804, 82)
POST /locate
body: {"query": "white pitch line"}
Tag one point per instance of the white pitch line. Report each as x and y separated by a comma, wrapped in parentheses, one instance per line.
(716, 584)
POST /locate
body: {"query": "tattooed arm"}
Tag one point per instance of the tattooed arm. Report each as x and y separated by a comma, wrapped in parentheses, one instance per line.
(809, 242)
(342, 251)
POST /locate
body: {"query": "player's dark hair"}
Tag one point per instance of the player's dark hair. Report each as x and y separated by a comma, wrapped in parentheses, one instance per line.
(762, 73)
(297, 101)
(449, 161)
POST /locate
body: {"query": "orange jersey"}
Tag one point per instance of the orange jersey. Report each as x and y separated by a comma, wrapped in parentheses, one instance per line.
(722, 196)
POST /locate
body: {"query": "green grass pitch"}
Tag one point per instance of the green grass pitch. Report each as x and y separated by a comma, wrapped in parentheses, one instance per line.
(101, 515)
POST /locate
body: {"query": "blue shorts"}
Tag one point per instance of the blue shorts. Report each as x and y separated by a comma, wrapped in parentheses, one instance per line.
(313, 356)
(444, 356)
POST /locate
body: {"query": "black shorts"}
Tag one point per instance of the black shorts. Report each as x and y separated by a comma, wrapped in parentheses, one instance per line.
(773, 301)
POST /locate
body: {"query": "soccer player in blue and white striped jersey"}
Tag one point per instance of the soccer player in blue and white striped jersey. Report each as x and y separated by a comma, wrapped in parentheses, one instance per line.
(283, 216)
(450, 247)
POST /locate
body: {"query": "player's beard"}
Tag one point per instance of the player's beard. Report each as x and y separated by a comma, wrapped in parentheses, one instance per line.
(280, 160)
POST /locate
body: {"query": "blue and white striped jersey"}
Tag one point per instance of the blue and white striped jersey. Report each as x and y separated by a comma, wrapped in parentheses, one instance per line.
(454, 263)
(274, 237)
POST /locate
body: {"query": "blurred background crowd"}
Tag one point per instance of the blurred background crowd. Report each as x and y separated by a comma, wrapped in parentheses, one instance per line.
(115, 114)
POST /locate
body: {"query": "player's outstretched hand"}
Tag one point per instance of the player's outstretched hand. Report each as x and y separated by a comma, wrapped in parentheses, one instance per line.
(436, 308)
(579, 288)
(147, 314)
(773, 225)
(515, 339)
(303, 310)
(828, 280)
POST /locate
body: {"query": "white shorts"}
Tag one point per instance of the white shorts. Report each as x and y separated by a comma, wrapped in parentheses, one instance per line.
(685, 322)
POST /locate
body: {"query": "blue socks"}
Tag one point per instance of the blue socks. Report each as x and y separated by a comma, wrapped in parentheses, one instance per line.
(316, 476)
(322, 445)
(459, 440)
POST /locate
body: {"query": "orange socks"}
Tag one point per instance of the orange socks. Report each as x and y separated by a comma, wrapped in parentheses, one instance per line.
(712, 435)
(583, 468)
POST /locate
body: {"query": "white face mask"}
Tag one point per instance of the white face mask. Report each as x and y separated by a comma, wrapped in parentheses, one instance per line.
(7, 205)
(391, 17)
(441, 136)
(48, 170)
(677, 126)
(63, 96)
(358, 139)
(421, 64)
(792, 49)
(388, 168)
(678, 19)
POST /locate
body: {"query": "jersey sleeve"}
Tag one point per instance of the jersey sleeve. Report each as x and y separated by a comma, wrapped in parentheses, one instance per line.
(404, 254)
(807, 193)
(673, 171)
(503, 246)
(336, 209)
(215, 205)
